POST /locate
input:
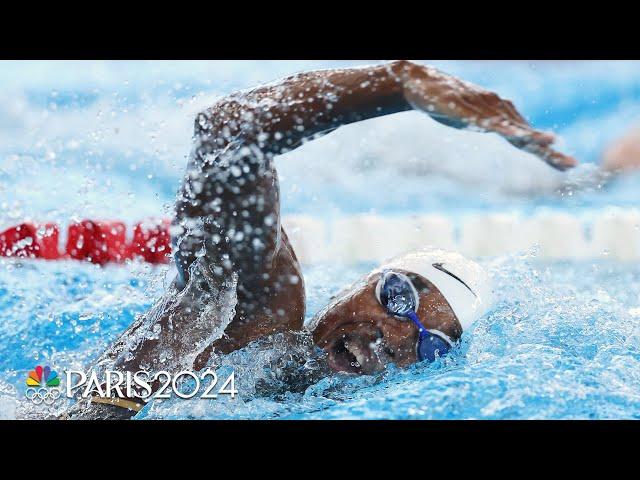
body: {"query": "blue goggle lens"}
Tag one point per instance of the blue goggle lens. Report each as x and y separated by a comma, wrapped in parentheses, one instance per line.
(398, 296)
(431, 346)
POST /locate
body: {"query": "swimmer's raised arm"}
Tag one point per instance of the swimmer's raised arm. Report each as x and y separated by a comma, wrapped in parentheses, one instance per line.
(238, 136)
(280, 116)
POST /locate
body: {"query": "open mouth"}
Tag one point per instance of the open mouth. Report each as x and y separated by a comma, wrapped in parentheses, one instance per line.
(358, 349)
(346, 356)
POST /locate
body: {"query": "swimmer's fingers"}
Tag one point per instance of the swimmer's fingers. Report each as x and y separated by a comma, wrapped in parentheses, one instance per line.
(557, 160)
(521, 135)
(536, 142)
(498, 115)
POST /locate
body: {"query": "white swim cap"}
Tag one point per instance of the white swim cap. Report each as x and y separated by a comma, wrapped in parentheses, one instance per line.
(462, 282)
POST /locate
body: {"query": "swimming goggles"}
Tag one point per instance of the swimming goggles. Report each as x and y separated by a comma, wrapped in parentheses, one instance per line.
(397, 294)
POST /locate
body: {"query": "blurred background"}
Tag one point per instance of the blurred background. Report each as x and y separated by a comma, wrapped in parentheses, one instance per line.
(109, 141)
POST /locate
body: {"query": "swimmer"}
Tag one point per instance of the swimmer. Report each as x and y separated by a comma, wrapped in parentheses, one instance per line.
(623, 155)
(238, 279)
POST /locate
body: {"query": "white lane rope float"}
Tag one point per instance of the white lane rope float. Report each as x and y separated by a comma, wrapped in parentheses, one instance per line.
(611, 233)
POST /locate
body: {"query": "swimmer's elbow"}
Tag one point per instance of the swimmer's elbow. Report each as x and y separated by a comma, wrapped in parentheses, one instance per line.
(398, 65)
(218, 120)
(226, 122)
(403, 67)
(203, 124)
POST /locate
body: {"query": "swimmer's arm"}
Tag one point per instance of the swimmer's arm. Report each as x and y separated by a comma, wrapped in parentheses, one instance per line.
(281, 116)
(178, 327)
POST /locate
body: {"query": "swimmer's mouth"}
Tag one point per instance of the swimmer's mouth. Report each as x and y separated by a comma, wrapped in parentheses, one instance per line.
(358, 349)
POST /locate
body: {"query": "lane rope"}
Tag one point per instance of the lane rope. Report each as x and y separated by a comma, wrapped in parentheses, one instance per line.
(609, 233)
(99, 242)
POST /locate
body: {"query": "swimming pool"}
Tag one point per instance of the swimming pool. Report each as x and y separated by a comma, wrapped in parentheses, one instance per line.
(563, 341)
(108, 140)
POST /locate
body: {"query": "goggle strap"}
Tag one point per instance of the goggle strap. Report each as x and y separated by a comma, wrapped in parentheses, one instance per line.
(424, 332)
(414, 318)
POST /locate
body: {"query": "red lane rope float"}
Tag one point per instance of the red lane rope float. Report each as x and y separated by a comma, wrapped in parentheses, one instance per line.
(99, 242)
(25, 240)
(152, 241)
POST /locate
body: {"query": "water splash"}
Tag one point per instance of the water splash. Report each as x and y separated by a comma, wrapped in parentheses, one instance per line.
(563, 341)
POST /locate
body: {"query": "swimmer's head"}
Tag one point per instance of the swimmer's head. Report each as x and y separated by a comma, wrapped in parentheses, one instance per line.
(412, 308)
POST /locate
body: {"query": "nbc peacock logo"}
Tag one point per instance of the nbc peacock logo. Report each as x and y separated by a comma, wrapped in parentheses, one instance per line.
(42, 385)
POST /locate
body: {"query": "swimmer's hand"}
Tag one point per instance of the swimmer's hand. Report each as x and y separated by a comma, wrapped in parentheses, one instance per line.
(460, 104)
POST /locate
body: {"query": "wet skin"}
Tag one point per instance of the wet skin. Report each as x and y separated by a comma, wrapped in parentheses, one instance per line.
(229, 245)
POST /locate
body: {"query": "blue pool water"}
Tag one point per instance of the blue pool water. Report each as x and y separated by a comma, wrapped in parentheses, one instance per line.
(563, 341)
(109, 140)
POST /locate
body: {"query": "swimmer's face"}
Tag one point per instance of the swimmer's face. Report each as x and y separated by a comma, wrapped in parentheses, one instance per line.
(360, 336)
